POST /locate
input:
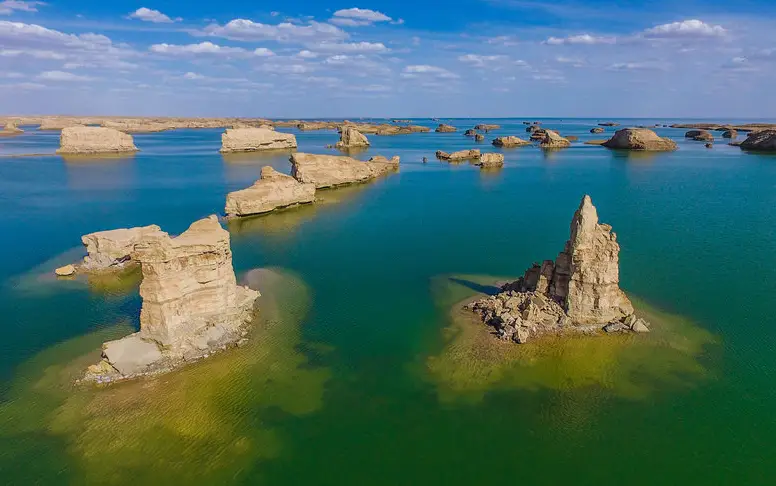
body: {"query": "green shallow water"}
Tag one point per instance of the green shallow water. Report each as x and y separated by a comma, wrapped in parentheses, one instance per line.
(362, 370)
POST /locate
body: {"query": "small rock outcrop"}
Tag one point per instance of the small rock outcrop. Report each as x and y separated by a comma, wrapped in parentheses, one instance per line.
(597, 130)
(442, 128)
(700, 135)
(94, 140)
(65, 271)
(764, 141)
(332, 170)
(11, 128)
(486, 127)
(255, 140)
(579, 291)
(192, 304)
(273, 191)
(113, 249)
(479, 137)
(608, 124)
(472, 154)
(350, 138)
(639, 139)
(533, 128)
(731, 133)
(552, 140)
(470, 132)
(491, 160)
(510, 141)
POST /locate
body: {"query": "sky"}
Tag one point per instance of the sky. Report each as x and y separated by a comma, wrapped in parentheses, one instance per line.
(363, 58)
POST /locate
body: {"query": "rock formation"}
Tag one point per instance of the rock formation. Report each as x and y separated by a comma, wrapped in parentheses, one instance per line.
(533, 128)
(11, 128)
(113, 249)
(442, 128)
(639, 139)
(608, 124)
(510, 141)
(331, 170)
(731, 133)
(597, 130)
(94, 140)
(699, 135)
(255, 139)
(486, 127)
(192, 304)
(458, 156)
(350, 137)
(764, 140)
(579, 291)
(65, 271)
(274, 190)
(479, 137)
(470, 132)
(491, 160)
(552, 140)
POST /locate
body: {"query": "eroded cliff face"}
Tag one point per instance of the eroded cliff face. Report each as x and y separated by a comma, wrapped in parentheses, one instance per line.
(332, 170)
(113, 248)
(351, 137)
(578, 291)
(639, 139)
(274, 190)
(77, 140)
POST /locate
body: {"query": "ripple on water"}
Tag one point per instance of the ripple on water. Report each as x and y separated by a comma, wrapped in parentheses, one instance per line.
(206, 423)
(473, 362)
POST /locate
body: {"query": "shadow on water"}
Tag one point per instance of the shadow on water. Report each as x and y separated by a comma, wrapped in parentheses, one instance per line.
(476, 287)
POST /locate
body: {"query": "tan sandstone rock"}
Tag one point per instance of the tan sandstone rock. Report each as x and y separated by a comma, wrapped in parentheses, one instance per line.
(510, 141)
(763, 140)
(332, 170)
(442, 128)
(491, 160)
(350, 137)
(552, 140)
(639, 139)
(472, 154)
(94, 140)
(274, 190)
(11, 128)
(65, 271)
(486, 127)
(255, 139)
(113, 248)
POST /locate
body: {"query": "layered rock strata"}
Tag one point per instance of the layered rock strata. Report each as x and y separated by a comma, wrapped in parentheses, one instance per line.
(94, 141)
(191, 307)
(350, 138)
(273, 191)
(255, 140)
(510, 141)
(11, 128)
(579, 291)
(331, 170)
(639, 139)
(552, 140)
(491, 160)
(473, 154)
(113, 249)
(442, 128)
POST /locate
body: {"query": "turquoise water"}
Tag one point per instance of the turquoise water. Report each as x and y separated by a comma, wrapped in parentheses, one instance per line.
(362, 383)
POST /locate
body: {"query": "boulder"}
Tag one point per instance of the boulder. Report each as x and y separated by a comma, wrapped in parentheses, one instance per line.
(255, 139)
(459, 155)
(350, 137)
(533, 128)
(94, 140)
(131, 355)
(699, 135)
(113, 248)
(442, 128)
(479, 137)
(470, 132)
(731, 133)
(552, 140)
(65, 271)
(274, 190)
(510, 141)
(597, 130)
(331, 170)
(639, 139)
(491, 160)
(764, 140)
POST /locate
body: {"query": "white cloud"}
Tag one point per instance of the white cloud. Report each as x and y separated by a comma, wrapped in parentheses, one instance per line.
(686, 29)
(278, 68)
(417, 70)
(480, 60)
(33, 53)
(503, 40)
(207, 48)
(151, 15)
(639, 66)
(61, 76)
(305, 54)
(7, 7)
(352, 47)
(583, 39)
(356, 17)
(193, 76)
(249, 31)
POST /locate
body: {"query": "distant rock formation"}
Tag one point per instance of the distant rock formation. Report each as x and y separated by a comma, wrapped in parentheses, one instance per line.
(597, 130)
(350, 137)
(491, 160)
(699, 135)
(94, 140)
(486, 127)
(59, 123)
(731, 133)
(331, 170)
(579, 291)
(533, 128)
(510, 141)
(113, 249)
(274, 190)
(595, 142)
(459, 155)
(10, 129)
(192, 304)
(764, 141)
(442, 128)
(470, 132)
(255, 140)
(639, 139)
(478, 137)
(552, 140)
(608, 124)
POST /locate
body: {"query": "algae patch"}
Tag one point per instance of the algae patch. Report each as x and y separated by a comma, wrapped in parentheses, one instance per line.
(209, 422)
(473, 362)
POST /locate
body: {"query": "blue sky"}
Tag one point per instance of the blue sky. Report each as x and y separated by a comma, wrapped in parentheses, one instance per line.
(397, 59)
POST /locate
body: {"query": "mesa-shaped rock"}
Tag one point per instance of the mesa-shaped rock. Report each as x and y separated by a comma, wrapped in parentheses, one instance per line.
(472, 154)
(491, 160)
(510, 141)
(273, 191)
(333, 170)
(350, 138)
(442, 128)
(94, 140)
(639, 139)
(552, 140)
(763, 140)
(579, 291)
(255, 140)
(11, 128)
(113, 248)
(486, 127)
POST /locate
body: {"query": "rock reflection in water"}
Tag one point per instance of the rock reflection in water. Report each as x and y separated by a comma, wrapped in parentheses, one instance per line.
(100, 172)
(474, 362)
